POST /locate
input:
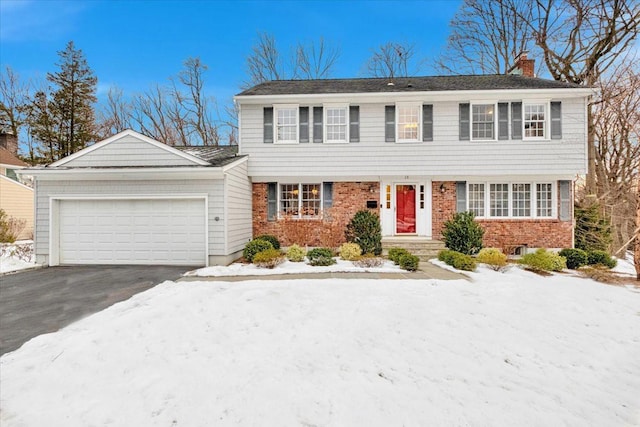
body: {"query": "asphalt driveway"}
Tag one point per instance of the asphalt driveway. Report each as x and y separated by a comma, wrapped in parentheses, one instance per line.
(41, 301)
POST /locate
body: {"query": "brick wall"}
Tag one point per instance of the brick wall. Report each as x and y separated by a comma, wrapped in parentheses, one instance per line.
(535, 233)
(348, 198)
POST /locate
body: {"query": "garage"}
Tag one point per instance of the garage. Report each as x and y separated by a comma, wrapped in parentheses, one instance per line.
(132, 231)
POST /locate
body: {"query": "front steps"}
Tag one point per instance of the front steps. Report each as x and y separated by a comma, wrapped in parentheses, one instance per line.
(422, 247)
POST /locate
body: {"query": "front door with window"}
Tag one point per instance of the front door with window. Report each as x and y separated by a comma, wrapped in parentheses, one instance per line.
(405, 209)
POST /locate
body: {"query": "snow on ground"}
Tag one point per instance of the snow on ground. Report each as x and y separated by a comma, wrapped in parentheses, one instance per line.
(288, 267)
(625, 266)
(10, 259)
(512, 349)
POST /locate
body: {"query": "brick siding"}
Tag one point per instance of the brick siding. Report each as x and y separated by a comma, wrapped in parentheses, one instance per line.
(503, 234)
(348, 198)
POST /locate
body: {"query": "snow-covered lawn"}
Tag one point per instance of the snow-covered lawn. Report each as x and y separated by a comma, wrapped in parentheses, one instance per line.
(512, 349)
(16, 256)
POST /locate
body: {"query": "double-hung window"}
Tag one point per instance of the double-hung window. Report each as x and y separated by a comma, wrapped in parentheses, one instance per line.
(336, 123)
(511, 200)
(483, 122)
(300, 200)
(286, 124)
(408, 122)
(535, 121)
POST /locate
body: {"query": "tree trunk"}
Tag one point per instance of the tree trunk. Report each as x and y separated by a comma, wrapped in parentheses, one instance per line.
(636, 252)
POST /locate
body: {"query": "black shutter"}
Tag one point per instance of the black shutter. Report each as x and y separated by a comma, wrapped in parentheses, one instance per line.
(565, 200)
(390, 123)
(304, 124)
(464, 122)
(354, 123)
(317, 124)
(427, 122)
(272, 201)
(556, 120)
(516, 120)
(503, 120)
(268, 125)
(461, 196)
(327, 195)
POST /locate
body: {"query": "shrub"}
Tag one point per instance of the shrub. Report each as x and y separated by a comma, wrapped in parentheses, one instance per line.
(296, 253)
(364, 229)
(268, 259)
(543, 260)
(592, 231)
(576, 258)
(408, 262)
(10, 227)
(255, 246)
(396, 253)
(321, 257)
(271, 239)
(462, 234)
(350, 251)
(457, 260)
(492, 257)
(601, 258)
(368, 261)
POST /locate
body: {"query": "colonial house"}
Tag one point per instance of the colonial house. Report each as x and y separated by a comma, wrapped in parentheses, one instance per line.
(416, 150)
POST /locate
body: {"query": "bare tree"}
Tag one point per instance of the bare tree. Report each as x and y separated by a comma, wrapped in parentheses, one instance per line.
(616, 118)
(14, 101)
(636, 252)
(307, 61)
(149, 114)
(315, 61)
(114, 116)
(487, 36)
(392, 60)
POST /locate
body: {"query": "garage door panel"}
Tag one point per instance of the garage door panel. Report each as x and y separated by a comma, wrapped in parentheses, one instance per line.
(145, 231)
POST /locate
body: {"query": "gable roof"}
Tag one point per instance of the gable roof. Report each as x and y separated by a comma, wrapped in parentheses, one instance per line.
(405, 84)
(7, 158)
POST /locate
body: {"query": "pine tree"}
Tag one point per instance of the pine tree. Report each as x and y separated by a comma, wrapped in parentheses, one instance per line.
(63, 121)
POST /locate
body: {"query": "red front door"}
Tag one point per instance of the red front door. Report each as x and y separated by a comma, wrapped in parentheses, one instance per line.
(405, 209)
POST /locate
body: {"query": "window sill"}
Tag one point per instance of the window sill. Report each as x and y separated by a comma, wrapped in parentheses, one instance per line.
(285, 142)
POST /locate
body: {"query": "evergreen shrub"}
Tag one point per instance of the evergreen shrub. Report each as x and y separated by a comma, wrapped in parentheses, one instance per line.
(576, 258)
(364, 229)
(543, 260)
(462, 234)
(255, 246)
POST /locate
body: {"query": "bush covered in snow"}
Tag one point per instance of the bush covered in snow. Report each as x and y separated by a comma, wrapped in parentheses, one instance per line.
(255, 246)
(295, 253)
(544, 260)
(350, 251)
(368, 261)
(493, 257)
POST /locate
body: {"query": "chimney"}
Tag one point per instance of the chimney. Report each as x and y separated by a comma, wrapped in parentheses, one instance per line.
(9, 142)
(524, 67)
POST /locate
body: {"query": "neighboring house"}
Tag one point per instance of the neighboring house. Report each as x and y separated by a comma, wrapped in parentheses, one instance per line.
(132, 200)
(416, 150)
(16, 198)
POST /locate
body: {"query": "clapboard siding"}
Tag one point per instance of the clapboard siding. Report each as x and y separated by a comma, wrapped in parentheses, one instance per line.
(17, 201)
(212, 188)
(128, 151)
(445, 155)
(238, 191)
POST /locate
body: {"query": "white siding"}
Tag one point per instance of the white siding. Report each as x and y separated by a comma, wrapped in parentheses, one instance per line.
(212, 188)
(444, 156)
(128, 151)
(238, 202)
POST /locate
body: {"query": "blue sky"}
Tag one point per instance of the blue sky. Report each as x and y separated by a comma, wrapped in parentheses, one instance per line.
(134, 44)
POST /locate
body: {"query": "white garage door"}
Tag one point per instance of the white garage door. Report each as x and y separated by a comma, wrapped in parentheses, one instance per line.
(158, 231)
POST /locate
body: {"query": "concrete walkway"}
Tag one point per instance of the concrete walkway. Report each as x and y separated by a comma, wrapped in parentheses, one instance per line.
(426, 271)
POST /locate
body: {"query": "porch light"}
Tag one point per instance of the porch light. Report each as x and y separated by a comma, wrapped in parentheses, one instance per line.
(442, 188)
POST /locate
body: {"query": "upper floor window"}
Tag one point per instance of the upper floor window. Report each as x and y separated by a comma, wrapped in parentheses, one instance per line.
(535, 118)
(336, 123)
(408, 122)
(286, 124)
(482, 121)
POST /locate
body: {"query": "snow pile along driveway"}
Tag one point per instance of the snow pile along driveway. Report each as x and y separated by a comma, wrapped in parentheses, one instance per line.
(510, 349)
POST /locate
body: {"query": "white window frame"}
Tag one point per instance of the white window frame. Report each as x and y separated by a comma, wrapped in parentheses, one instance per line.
(547, 119)
(533, 199)
(326, 108)
(495, 120)
(418, 107)
(280, 107)
(299, 215)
